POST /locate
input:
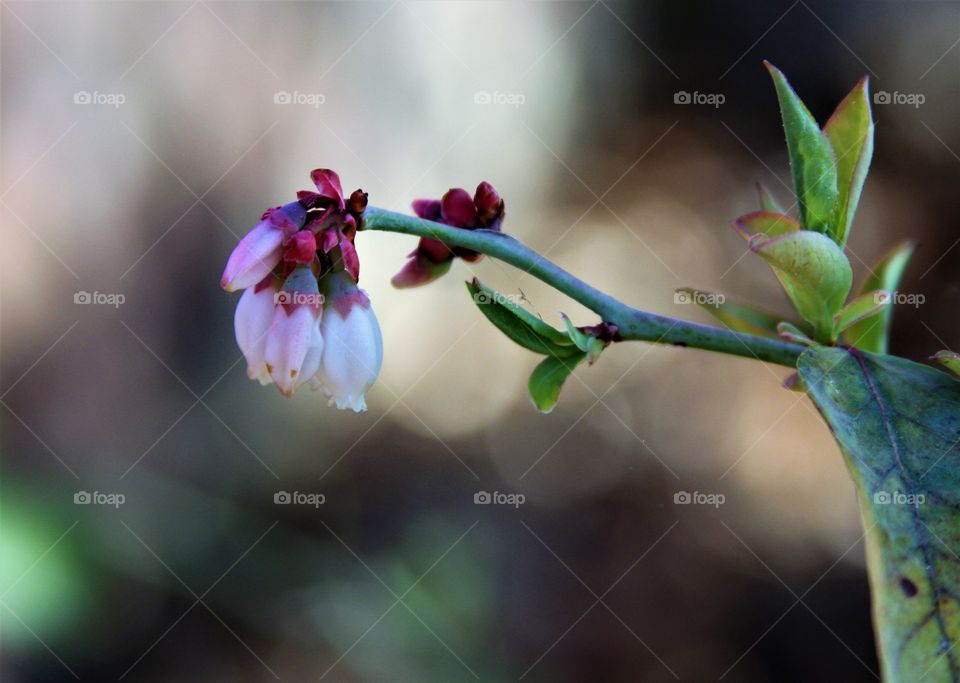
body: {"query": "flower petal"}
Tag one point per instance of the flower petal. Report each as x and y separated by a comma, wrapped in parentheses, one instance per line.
(328, 185)
(251, 323)
(257, 254)
(291, 345)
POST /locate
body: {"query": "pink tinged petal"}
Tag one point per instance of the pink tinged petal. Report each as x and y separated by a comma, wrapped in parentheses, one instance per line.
(320, 221)
(428, 209)
(301, 248)
(254, 257)
(251, 323)
(419, 271)
(293, 344)
(329, 240)
(457, 208)
(352, 356)
(328, 185)
(434, 250)
(351, 261)
(309, 199)
(288, 218)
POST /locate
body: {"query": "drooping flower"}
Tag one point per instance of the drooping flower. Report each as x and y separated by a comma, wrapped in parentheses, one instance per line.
(278, 322)
(432, 258)
(294, 343)
(251, 323)
(260, 250)
(353, 345)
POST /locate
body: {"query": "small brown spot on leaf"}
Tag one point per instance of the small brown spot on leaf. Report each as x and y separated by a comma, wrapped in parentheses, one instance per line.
(908, 587)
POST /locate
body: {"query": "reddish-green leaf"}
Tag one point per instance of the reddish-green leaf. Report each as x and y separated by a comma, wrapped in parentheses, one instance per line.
(850, 130)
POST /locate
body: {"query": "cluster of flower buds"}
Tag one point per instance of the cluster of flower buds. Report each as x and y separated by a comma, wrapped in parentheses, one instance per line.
(432, 258)
(302, 318)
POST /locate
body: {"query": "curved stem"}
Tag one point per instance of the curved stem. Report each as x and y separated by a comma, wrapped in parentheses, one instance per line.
(633, 323)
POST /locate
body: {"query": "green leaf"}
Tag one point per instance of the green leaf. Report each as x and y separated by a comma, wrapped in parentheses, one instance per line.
(812, 160)
(898, 424)
(767, 222)
(589, 344)
(579, 338)
(767, 201)
(864, 306)
(949, 359)
(548, 378)
(871, 333)
(736, 317)
(518, 324)
(791, 333)
(596, 348)
(850, 130)
(814, 273)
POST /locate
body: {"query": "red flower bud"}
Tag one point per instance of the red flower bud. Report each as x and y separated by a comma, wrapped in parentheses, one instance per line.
(358, 202)
(489, 204)
(457, 208)
(301, 248)
(434, 250)
(428, 209)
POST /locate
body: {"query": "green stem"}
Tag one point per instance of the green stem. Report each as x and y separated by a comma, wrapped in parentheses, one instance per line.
(633, 323)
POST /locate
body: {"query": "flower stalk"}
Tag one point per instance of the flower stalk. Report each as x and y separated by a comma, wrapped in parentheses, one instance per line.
(633, 324)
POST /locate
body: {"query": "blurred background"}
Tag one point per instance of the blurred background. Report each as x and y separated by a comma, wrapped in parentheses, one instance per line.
(141, 540)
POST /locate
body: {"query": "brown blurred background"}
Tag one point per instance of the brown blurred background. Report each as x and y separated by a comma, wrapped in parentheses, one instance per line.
(141, 139)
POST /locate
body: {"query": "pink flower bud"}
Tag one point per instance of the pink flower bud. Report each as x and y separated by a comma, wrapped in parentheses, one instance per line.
(457, 208)
(353, 345)
(489, 204)
(301, 248)
(427, 208)
(257, 254)
(251, 323)
(434, 250)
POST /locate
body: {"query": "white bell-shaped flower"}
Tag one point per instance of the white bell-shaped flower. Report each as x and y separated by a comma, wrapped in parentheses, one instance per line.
(353, 345)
